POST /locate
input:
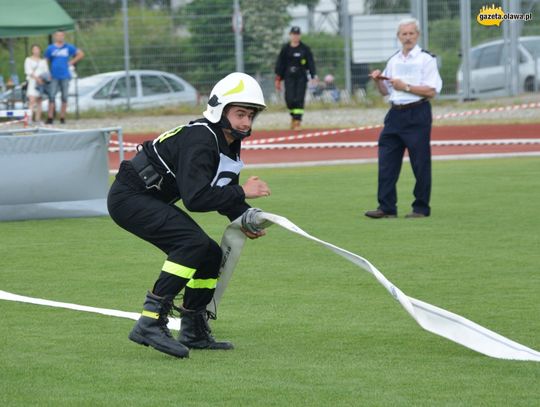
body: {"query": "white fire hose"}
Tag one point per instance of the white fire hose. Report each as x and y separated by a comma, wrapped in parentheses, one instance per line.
(431, 318)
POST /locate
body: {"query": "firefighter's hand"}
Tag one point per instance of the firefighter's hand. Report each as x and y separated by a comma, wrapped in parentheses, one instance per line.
(277, 84)
(252, 235)
(250, 224)
(255, 188)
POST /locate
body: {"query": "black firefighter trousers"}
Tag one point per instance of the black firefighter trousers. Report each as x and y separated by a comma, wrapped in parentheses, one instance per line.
(406, 129)
(295, 93)
(193, 258)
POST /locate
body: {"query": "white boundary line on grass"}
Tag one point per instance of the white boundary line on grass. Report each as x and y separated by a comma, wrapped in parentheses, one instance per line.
(354, 161)
(174, 323)
(448, 157)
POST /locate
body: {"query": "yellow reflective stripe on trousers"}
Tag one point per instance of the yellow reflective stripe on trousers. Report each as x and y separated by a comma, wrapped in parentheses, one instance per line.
(297, 111)
(209, 283)
(178, 270)
(150, 314)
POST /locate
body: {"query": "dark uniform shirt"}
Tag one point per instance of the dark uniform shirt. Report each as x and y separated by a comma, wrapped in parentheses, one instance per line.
(199, 167)
(294, 62)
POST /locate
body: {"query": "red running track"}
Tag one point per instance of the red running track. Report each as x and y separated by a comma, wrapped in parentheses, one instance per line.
(317, 153)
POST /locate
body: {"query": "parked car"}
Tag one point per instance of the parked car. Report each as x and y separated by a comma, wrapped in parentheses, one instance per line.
(13, 98)
(147, 89)
(488, 67)
(109, 90)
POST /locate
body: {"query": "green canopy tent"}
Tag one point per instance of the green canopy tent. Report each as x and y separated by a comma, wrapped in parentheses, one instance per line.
(26, 18)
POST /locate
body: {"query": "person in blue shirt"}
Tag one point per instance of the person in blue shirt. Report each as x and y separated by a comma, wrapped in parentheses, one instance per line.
(61, 57)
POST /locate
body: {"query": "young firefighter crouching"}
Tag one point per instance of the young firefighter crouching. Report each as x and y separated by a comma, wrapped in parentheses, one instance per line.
(200, 164)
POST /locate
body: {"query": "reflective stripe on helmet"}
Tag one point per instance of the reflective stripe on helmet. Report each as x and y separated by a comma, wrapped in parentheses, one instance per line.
(235, 89)
(239, 88)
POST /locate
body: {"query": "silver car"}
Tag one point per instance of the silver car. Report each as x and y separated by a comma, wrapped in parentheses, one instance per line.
(147, 89)
(488, 67)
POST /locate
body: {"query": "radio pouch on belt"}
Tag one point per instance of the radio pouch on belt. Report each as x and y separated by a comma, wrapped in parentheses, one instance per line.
(147, 173)
(150, 177)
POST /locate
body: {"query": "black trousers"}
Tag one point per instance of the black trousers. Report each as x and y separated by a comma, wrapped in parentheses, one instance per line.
(405, 129)
(193, 258)
(295, 93)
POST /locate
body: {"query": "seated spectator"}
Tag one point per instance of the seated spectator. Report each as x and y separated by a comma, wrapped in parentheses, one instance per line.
(316, 89)
(330, 87)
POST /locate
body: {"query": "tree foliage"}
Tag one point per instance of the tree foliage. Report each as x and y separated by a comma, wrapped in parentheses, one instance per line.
(263, 33)
(211, 40)
(86, 12)
(328, 53)
(153, 44)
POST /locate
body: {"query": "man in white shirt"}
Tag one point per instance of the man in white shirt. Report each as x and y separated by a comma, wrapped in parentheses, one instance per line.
(411, 78)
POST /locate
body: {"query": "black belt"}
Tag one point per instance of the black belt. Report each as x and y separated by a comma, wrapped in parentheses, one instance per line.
(146, 171)
(408, 105)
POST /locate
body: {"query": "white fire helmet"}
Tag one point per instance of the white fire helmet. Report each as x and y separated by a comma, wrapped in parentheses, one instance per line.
(236, 88)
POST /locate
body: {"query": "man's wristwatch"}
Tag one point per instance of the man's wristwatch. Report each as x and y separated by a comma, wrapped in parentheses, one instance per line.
(407, 88)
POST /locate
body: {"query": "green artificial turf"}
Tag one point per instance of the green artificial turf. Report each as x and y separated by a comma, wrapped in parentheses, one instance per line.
(310, 328)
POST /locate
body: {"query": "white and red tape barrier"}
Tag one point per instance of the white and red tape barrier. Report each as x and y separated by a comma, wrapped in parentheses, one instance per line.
(283, 142)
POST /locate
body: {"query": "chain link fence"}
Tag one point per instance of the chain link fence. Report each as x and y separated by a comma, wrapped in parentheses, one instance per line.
(198, 40)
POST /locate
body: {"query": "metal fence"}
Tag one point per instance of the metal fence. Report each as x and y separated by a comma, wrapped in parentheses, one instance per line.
(203, 40)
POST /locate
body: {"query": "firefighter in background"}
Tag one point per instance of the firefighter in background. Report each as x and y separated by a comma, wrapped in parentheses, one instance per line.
(292, 65)
(200, 164)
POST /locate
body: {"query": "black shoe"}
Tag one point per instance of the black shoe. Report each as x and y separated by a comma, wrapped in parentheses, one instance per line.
(413, 215)
(151, 328)
(379, 214)
(195, 332)
(49, 121)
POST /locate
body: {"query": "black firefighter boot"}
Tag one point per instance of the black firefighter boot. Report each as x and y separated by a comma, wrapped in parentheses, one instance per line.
(151, 328)
(196, 333)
